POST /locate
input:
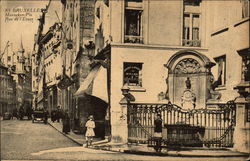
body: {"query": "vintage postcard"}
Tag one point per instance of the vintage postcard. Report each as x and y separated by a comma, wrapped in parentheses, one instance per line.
(125, 80)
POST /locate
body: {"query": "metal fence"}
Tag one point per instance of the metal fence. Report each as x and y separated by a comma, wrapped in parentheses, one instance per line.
(218, 123)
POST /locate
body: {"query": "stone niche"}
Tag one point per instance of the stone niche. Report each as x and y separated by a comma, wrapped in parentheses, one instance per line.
(188, 82)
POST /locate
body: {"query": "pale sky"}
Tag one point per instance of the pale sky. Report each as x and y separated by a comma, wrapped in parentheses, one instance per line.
(11, 30)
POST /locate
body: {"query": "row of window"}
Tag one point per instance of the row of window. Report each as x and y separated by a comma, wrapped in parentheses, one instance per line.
(191, 25)
(5, 82)
(6, 94)
(49, 63)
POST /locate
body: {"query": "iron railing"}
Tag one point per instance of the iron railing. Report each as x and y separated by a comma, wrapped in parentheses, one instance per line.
(218, 123)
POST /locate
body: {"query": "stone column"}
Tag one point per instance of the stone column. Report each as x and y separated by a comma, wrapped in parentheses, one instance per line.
(242, 128)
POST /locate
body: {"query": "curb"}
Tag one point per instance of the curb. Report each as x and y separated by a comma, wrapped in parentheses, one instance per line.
(183, 155)
(171, 154)
(66, 135)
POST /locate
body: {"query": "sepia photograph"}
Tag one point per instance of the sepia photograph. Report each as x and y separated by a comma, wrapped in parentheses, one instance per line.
(124, 80)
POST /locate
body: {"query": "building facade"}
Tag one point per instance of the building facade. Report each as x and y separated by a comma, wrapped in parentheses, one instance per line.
(7, 91)
(78, 51)
(228, 43)
(152, 56)
(229, 46)
(19, 67)
(52, 66)
(170, 51)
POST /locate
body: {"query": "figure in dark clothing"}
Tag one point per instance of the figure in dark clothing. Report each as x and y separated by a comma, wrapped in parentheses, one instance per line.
(53, 116)
(29, 112)
(66, 123)
(15, 113)
(21, 113)
(46, 113)
(158, 132)
(58, 114)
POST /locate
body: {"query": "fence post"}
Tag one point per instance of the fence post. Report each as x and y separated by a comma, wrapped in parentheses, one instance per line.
(123, 128)
(241, 135)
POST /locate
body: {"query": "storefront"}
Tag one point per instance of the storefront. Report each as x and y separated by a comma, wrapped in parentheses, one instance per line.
(92, 99)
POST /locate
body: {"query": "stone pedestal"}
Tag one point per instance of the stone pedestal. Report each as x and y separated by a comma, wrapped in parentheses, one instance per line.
(214, 104)
(120, 126)
(242, 128)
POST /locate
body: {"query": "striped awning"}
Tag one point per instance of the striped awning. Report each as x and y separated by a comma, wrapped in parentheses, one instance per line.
(95, 84)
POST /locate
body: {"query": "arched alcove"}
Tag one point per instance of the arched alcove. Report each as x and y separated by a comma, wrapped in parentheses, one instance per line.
(192, 65)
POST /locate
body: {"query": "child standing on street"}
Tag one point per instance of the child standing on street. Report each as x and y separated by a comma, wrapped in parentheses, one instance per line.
(90, 125)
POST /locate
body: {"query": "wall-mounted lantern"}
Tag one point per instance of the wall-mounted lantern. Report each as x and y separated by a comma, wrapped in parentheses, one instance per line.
(90, 48)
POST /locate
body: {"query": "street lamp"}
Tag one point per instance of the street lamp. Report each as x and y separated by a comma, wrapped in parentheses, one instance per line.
(125, 90)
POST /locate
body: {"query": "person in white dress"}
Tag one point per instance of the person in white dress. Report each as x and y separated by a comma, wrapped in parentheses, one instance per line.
(90, 125)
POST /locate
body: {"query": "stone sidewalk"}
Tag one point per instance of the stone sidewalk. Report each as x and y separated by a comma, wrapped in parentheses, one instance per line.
(142, 149)
(77, 138)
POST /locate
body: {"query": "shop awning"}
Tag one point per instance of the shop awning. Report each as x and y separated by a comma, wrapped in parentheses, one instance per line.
(98, 79)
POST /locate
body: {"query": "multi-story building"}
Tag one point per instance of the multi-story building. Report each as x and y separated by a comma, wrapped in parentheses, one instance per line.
(52, 64)
(133, 57)
(7, 91)
(19, 66)
(165, 51)
(47, 69)
(156, 46)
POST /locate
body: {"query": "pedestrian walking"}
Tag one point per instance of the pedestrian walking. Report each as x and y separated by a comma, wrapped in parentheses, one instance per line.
(158, 132)
(66, 122)
(90, 125)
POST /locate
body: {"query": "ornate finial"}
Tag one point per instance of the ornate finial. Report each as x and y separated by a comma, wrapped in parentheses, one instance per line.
(21, 49)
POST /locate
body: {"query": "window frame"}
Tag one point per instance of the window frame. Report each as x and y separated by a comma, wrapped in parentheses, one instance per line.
(133, 6)
(192, 13)
(218, 60)
(130, 64)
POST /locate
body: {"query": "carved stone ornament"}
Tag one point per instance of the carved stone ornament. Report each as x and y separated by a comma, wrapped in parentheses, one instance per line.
(187, 66)
(188, 99)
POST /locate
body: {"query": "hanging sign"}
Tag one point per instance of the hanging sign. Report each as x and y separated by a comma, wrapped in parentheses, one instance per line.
(88, 18)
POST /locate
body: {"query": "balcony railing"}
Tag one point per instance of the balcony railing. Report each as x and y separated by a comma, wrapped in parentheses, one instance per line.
(195, 43)
(133, 39)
